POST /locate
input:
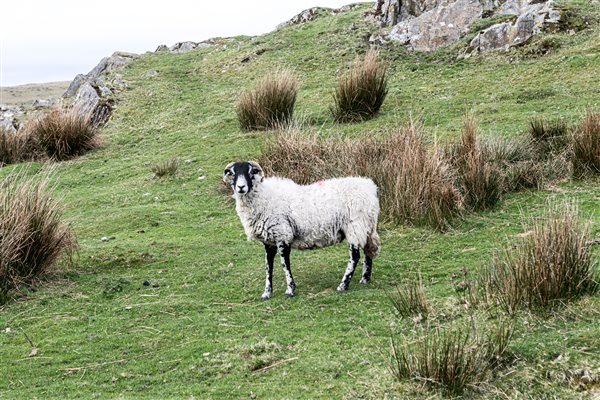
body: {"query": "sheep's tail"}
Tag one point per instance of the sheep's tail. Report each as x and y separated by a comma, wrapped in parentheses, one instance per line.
(372, 246)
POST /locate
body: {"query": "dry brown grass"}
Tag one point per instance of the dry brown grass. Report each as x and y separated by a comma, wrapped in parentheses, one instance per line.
(586, 145)
(360, 92)
(165, 168)
(552, 264)
(15, 147)
(479, 180)
(270, 104)
(416, 184)
(63, 133)
(452, 359)
(32, 235)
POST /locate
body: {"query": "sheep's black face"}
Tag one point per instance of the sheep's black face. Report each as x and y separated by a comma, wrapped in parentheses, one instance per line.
(243, 176)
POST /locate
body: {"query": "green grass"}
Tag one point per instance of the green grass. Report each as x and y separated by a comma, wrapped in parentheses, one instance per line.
(203, 332)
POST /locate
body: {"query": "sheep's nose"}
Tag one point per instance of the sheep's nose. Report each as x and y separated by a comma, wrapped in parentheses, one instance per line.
(241, 187)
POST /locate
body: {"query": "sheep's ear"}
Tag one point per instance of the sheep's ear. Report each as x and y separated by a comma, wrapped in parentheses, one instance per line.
(228, 173)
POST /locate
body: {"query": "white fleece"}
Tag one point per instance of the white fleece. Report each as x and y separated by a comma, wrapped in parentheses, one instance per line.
(309, 216)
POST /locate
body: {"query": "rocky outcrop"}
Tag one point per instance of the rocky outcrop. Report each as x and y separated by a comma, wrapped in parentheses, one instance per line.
(438, 26)
(93, 92)
(426, 25)
(313, 13)
(532, 19)
(8, 117)
(183, 47)
(303, 17)
(390, 12)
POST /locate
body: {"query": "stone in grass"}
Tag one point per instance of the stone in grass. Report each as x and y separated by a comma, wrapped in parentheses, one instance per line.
(151, 72)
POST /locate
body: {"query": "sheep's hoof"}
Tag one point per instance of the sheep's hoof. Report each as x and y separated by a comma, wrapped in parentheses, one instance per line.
(265, 296)
(342, 288)
(288, 295)
(364, 281)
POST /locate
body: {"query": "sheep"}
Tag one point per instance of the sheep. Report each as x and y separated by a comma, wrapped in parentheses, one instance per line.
(284, 215)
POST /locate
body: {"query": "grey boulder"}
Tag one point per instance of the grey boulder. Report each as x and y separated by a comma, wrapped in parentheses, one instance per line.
(533, 18)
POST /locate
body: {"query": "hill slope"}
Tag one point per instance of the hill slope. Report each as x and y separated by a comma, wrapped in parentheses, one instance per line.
(202, 331)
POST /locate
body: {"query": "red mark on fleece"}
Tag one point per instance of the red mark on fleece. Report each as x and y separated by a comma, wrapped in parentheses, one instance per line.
(320, 183)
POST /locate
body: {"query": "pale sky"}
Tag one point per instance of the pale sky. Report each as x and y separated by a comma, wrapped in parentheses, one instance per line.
(46, 41)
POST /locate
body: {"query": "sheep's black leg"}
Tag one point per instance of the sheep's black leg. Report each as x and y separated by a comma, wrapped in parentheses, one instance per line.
(284, 253)
(354, 257)
(366, 272)
(270, 252)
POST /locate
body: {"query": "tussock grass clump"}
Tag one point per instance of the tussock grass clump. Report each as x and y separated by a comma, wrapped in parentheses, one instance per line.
(541, 129)
(479, 181)
(586, 145)
(360, 92)
(32, 234)
(416, 184)
(516, 162)
(15, 147)
(165, 168)
(452, 359)
(409, 299)
(549, 136)
(552, 263)
(270, 104)
(63, 133)
(501, 150)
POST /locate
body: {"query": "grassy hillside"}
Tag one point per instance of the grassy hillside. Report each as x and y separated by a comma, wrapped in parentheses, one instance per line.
(203, 332)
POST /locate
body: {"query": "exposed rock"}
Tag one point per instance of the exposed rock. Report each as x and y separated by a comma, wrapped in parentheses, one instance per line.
(104, 91)
(93, 93)
(495, 37)
(513, 7)
(426, 25)
(74, 86)
(87, 98)
(387, 12)
(107, 64)
(390, 12)
(439, 26)
(88, 101)
(8, 120)
(151, 72)
(183, 47)
(8, 123)
(533, 18)
(313, 13)
(44, 103)
(303, 17)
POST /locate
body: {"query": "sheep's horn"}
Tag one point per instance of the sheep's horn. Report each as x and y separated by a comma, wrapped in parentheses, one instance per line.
(255, 165)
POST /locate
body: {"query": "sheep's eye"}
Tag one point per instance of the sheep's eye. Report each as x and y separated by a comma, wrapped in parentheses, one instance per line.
(255, 171)
(228, 172)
